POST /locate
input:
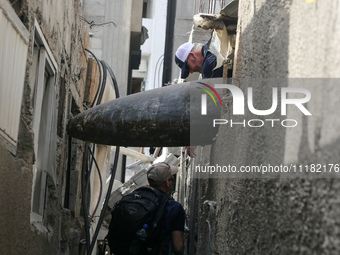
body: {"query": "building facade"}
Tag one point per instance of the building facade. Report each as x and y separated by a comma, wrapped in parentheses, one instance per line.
(43, 70)
(47, 77)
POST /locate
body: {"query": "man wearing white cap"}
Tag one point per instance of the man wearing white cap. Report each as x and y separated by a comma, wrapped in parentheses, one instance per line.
(197, 58)
(161, 176)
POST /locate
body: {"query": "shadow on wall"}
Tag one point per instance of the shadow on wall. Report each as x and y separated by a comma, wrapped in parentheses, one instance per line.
(266, 216)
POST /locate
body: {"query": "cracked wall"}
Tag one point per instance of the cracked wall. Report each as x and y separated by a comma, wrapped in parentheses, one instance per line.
(59, 232)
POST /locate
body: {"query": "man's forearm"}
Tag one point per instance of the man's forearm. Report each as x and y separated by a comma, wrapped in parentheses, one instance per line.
(178, 242)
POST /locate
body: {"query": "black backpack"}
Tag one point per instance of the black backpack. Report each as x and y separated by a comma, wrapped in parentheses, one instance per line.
(145, 205)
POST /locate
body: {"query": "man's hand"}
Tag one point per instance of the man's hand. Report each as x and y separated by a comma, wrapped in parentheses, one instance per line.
(191, 151)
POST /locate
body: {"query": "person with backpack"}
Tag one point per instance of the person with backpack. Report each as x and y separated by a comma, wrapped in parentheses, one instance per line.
(161, 176)
(146, 221)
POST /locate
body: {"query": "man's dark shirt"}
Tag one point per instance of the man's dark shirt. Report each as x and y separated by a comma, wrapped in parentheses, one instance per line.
(173, 220)
(209, 63)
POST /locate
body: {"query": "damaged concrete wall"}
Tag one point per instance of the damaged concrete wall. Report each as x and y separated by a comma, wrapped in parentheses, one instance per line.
(59, 230)
(279, 39)
(113, 25)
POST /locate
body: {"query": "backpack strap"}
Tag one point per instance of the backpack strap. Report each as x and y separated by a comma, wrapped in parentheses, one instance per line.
(162, 203)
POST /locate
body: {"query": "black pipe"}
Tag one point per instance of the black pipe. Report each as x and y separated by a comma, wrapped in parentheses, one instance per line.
(83, 199)
(68, 174)
(169, 42)
(123, 169)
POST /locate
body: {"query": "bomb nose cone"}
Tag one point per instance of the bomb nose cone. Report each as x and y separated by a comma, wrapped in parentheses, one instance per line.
(159, 117)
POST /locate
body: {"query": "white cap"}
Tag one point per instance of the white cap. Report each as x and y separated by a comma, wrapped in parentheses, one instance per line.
(181, 56)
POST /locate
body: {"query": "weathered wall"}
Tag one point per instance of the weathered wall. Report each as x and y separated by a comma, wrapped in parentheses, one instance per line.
(61, 228)
(113, 22)
(279, 39)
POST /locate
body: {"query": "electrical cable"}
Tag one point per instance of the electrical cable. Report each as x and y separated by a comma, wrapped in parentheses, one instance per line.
(114, 83)
(85, 186)
(113, 172)
(100, 76)
(83, 199)
(68, 174)
(113, 77)
(100, 97)
(159, 72)
(108, 194)
(101, 185)
(100, 84)
(209, 239)
(88, 178)
(101, 88)
(161, 63)
(154, 78)
(86, 171)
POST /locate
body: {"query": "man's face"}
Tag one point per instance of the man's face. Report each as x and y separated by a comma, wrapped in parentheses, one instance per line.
(194, 63)
(170, 185)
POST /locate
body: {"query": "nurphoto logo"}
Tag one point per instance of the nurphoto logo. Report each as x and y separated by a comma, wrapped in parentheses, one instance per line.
(204, 97)
(238, 103)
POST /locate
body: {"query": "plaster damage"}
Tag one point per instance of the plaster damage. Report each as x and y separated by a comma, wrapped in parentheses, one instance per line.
(60, 230)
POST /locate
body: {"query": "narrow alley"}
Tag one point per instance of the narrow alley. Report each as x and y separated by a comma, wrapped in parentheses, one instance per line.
(227, 108)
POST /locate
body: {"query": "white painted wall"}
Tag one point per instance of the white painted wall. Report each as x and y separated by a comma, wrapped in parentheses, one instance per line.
(111, 42)
(153, 48)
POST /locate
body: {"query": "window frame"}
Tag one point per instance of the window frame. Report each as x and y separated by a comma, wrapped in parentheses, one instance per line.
(43, 77)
